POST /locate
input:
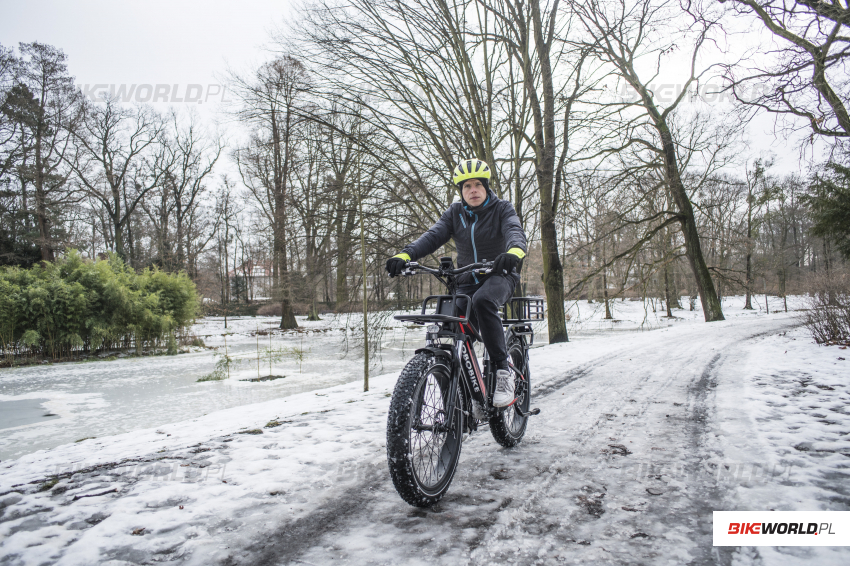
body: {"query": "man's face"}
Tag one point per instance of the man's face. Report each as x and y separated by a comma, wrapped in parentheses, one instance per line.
(474, 192)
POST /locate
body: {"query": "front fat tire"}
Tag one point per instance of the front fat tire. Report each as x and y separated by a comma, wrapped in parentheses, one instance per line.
(506, 425)
(405, 446)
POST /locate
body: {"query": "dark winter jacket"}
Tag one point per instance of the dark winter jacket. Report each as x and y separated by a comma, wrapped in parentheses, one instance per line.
(480, 234)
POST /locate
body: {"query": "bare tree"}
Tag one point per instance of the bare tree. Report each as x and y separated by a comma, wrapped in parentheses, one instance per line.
(270, 101)
(441, 80)
(314, 201)
(755, 180)
(807, 78)
(226, 214)
(122, 159)
(530, 31)
(340, 151)
(191, 157)
(620, 34)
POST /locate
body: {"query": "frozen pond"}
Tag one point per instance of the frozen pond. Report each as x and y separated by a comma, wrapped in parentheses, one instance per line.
(103, 398)
(23, 412)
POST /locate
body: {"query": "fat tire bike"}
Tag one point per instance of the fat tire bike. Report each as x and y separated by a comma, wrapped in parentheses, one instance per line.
(443, 394)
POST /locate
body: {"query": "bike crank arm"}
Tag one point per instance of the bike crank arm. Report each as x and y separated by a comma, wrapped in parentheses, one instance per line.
(523, 414)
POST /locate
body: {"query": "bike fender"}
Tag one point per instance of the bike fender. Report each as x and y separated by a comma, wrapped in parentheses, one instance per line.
(436, 352)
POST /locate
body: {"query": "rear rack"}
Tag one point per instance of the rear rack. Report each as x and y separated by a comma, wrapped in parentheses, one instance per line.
(523, 309)
(516, 310)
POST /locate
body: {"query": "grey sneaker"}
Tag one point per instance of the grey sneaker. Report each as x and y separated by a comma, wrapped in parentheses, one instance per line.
(504, 388)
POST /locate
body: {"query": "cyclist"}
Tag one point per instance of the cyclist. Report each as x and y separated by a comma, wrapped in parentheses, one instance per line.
(484, 227)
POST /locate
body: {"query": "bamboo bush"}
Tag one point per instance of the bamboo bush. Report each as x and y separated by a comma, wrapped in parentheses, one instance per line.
(58, 310)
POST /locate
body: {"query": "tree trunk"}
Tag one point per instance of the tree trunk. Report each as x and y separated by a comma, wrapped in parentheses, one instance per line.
(670, 276)
(115, 214)
(343, 243)
(119, 239)
(281, 174)
(365, 299)
(748, 305)
(667, 289)
(605, 283)
(544, 126)
(181, 257)
(41, 204)
(712, 310)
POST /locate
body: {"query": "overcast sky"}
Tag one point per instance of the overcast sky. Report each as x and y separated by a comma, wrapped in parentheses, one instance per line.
(188, 42)
(151, 42)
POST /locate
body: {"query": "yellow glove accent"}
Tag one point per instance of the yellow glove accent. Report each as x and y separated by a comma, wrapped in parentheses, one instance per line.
(403, 256)
(517, 252)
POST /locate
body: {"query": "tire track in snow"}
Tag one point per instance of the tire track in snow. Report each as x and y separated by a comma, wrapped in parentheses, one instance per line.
(292, 539)
(536, 514)
(587, 484)
(686, 515)
(368, 502)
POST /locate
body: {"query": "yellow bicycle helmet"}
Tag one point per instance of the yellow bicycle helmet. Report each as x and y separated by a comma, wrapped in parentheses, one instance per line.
(471, 169)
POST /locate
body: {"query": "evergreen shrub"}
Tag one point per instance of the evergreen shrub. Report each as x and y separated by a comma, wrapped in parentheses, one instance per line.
(76, 305)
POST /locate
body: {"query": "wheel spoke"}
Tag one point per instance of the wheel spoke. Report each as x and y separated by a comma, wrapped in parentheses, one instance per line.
(429, 452)
(512, 422)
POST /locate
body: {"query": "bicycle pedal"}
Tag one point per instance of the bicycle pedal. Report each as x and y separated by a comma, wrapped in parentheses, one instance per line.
(523, 414)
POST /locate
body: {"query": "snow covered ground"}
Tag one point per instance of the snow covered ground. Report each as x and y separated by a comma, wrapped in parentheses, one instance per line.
(45, 406)
(641, 436)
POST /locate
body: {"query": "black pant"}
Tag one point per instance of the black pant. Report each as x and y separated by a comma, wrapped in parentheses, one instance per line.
(487, 298)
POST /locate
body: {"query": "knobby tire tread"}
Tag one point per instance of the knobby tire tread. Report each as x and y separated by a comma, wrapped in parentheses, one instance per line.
(498, 427)
(398, 439)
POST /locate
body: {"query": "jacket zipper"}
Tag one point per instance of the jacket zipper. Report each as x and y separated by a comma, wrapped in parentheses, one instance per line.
(474, 251)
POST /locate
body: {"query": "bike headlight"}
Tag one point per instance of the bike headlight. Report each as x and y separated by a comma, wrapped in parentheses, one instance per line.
(432, 333)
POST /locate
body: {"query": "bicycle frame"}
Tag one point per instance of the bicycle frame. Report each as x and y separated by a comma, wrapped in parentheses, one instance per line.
(477, 384)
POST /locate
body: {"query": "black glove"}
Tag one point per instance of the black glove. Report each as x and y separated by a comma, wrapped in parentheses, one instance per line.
(505, 263)
(395, 265)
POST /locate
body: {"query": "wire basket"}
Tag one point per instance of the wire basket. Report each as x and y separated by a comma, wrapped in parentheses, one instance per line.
(523, 309)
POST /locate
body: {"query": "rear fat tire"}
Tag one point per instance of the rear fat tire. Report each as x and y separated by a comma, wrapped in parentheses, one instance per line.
(420, 393)
(506, 425)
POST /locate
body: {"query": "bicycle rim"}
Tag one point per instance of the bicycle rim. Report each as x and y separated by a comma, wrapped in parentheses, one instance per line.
(513, 422)
(433, 447)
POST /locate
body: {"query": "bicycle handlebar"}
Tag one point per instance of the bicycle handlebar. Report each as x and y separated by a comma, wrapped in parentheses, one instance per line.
(481, 268)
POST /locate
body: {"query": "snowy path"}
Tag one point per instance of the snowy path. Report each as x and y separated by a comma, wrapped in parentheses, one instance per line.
(641, 436)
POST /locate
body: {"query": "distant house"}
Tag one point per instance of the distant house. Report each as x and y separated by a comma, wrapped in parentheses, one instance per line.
(257, 277)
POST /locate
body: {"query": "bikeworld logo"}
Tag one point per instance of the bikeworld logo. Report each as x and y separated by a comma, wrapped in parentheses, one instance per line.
(153, 93)
(779, 529)
(782, 528)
